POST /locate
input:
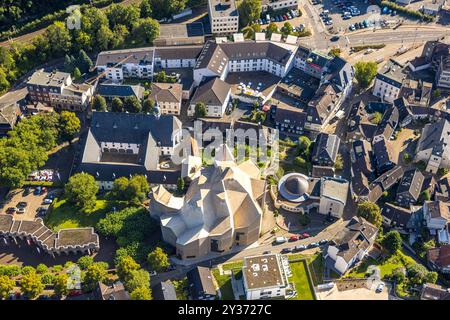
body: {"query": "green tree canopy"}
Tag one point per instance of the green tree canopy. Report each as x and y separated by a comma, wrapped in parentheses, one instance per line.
(61, 284)
(125, 266)
(145, 31)
(132, 105)
(117, 105)
(141, 293)
(95, 273)
(31, 285)
(158, 260)
(69, 125)
(249, 10)
(119, 14)
(392, 241)
(134, 190)
(82, 190)
(137, 279)
(371, 212)
(365, 72)
(85, 261)
(200, 110)
(148, 106)
(99, 103)
(6, 286)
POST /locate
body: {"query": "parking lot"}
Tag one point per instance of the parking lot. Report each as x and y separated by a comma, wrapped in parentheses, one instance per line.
(333, 15)
(280, 17)
(32, 200)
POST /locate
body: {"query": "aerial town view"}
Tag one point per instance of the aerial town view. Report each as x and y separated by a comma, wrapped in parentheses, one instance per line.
(224, 150)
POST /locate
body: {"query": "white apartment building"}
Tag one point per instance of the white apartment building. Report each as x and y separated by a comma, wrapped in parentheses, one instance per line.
(278, 4)
(265, 277)
(436, 214)
(215, 94)
(223, 16)
(389, 81)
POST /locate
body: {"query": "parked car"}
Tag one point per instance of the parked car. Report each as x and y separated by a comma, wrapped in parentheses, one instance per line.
(380, 288)
(37, 191)
(313, 245)
(26, 191)
(293, 238)
(21, 210)
(286, 250)
(11, 210)
(351, 27)
(22, 204)
(300, 247)
(47, 201)
(305, 235)
(152, 273)
(280, 240)
(266, 252)
(323, 241)
(334, 38)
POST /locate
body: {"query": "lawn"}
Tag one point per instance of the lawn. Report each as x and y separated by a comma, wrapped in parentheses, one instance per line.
(398, 260)
(301, 281)
(65, 215)
(224, 283)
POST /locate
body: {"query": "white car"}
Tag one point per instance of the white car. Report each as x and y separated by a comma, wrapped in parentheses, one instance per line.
(153, 273)
(48, 201)
(380, 288)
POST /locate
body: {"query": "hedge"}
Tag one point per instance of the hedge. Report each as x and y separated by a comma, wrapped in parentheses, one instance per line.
(406, 11)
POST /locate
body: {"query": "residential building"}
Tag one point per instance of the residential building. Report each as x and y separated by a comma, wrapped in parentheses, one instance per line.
(436, 215)
(350, 245)
(215, 94)
(279, 4)
(201, 285)
(223, 16)
(410, 188)
(333, 196)
(434, 146)
(265, 277)
(167, 96)
(443, 190)
(312, 62)
(220, 210)
(110, 91)
(361, 169)
(325, 150)
(387, 126)
(9, 115)
(57, 90)
(116, 291)
(164, 290)
(439, 258)
(383, 155)
(290, 120)
(431, 291)
(395, 217)
(389, 81)
(443, 73)
(124, 144)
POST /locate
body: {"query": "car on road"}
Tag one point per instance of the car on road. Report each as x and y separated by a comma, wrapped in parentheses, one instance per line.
(11, 210)
(286, 250)
(300, 247)
(26, 191)
(351, 27)
(313, 245)
(380, 288)
(334, 38)
(22, 204)
(152, 273)
(41, 211)
(323, 241)
(293, 238)
(266, 252)
(21, 210)
(305, 235)
(37, 191)
(47, 201)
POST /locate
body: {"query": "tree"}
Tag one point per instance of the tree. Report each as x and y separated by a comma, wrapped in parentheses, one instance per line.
(132, 105)
(431, 277)
(164, 9)
(371, 212)
(69, 62)
(180, 185)
(365, 72)
(249, 10)
(82, 190)
(134, 190)
(76, 73)
(287, 28)
(376, 119)
(116, 105)
(69, 125)
(125, 266)
(137, 279)
(141, 293)
(4, 83)
(158, 260)
(146, 9)
(334, 52)
(146, 31)
(250, 30)
(303, 144)
(6, 286)
(60, 284)
(392, 241)
(299, 161)
(148, 106)
(84, 62)
(41, 268)
(339, 163)
(271, 28)
(85, 262)
(417, 273)
(58, 35)
(200, 110)
(95, 273)
(104, 38)
(99, 103)
(31, 285)
(123, 15)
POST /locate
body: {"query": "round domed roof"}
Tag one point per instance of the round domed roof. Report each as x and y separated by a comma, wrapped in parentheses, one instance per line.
(296, 185)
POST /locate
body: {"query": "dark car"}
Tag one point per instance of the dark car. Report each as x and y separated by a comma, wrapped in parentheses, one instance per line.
(37, 191)
(300, 247)
(323, 241)
(11, 210)
(286, 250)
(26, 191)
(334, 38)
(266, 252)
(313, 245)
(22, 204)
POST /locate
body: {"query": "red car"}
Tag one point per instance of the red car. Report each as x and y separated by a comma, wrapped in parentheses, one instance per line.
(305, 235)
(293, 238)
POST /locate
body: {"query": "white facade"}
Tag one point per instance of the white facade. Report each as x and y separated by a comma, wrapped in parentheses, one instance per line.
(214, 111)
(223, 16)
(387, 92)
(277, 5)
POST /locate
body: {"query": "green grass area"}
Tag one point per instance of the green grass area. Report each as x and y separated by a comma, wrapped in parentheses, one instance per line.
(65, 215)
(301, 281)
(181, 288)
(397, 260)
(235, 266)
(224, 283)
